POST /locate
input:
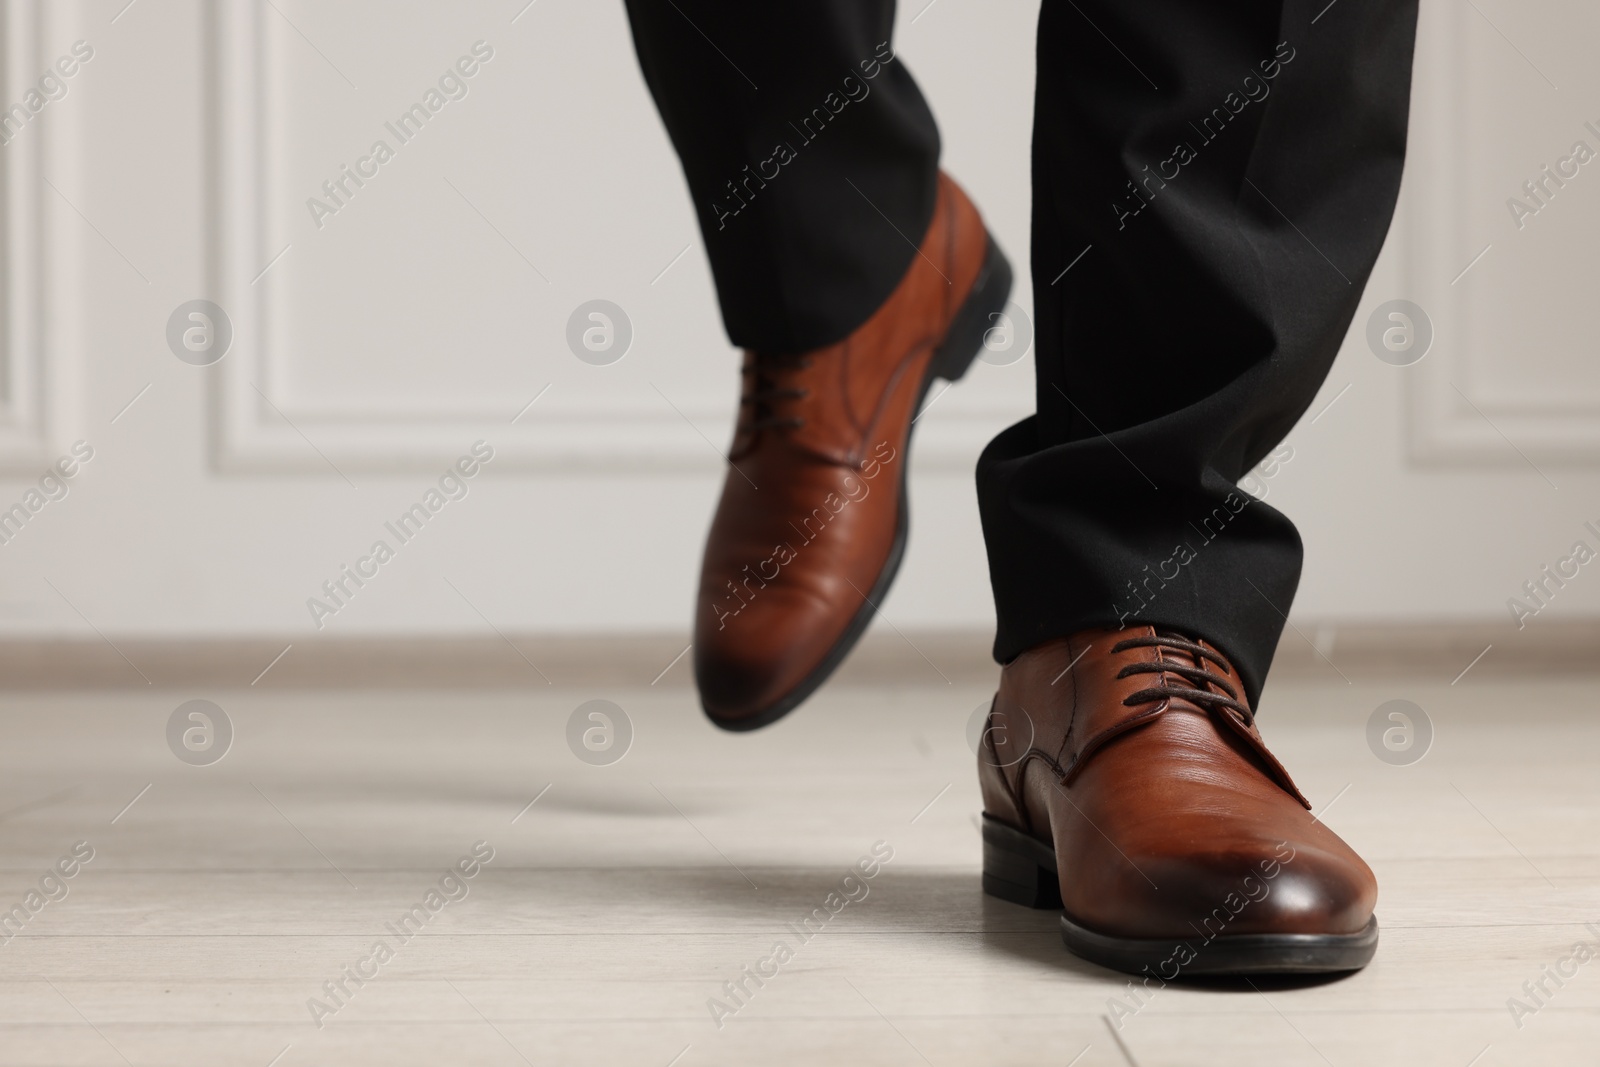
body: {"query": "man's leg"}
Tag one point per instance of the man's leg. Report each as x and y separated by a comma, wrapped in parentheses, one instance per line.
(806, 145)
(1227, 173)
(1213, 181)
(854, 274)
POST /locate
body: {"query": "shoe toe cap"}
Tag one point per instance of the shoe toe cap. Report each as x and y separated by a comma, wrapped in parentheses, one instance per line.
(1259, 887)
(751, 665)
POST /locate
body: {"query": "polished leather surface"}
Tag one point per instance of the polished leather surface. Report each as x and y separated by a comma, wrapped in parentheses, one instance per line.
(811, 504)
(1161, 811)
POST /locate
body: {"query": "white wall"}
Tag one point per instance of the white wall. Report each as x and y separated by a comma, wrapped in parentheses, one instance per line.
(416, 321)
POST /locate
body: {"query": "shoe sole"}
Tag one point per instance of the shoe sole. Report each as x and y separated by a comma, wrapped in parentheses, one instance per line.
(1023, 871)
(962, 343)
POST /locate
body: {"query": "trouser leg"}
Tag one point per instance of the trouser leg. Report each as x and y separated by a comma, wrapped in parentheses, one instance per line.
(810, 154)
(1231, 169)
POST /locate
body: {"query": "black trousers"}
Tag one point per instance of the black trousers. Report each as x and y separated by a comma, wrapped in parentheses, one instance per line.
(1218, 175)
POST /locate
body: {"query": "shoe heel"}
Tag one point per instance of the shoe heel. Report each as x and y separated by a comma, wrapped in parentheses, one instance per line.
(1014, 869)
(988, 297)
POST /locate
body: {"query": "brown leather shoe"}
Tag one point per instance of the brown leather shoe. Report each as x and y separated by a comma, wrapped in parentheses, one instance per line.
(1125, 782)
(812, 522)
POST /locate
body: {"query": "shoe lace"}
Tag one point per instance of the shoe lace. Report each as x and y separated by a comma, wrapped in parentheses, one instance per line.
(763, 393)
(1199, 675)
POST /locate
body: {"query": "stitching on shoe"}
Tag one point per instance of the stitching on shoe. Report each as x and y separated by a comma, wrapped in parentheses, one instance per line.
(1092, 745)
(1072, 716)
(1018, 801)
(845, 395)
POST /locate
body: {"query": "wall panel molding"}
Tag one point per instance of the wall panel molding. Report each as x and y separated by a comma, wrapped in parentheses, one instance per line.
(1455, 418)
(40, 356)
(256, 427)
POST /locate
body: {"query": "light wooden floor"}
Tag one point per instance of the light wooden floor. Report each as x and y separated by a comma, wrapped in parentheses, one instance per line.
(617, 905)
